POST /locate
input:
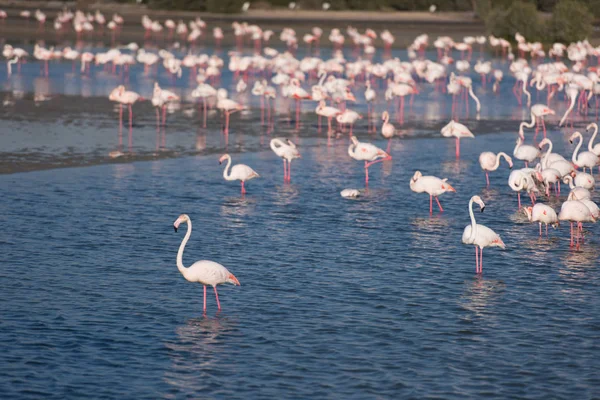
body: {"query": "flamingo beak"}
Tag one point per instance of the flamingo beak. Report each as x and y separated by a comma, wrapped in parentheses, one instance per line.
(233, 280)
(482, 208)
(451, 189)
(174, 227)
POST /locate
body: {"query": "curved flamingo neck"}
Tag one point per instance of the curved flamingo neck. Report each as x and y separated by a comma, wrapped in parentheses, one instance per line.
(180, 265)
(574, 157)
(591, 142)
(547, 156)
(226, 172)
(501, 154)
(473, 222)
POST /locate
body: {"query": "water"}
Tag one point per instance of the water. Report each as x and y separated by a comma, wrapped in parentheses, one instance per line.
(365, 298)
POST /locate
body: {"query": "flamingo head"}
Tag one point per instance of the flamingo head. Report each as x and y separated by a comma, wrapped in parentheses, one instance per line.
(548, 111)
(573, 136)
(590, 126)
(416, 176)
(182, 218)
(477, 199)
(223, 158)
(350, 96)
(528, 211)
(543, 143)
(232, 279)
(385, 116)
(354, 140)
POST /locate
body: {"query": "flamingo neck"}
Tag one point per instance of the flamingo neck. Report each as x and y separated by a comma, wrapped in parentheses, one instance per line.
(574, 158)
(530, 124)
(573, 99)
(226, 172)
(473, 222)
(180, 265)
(472, 94)
(547, 156)
(501, 154)
(351, 150)
(591, 142)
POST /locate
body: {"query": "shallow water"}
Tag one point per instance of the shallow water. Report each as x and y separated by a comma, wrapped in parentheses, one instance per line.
(365, 298)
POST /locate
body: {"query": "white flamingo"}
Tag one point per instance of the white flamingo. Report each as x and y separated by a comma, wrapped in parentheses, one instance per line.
(585, 159)
(368, 153)
(239, 172)
(207, 273)
(287, 151)
(490, 162)
(480, 235)
(542, 213)
(432, 185)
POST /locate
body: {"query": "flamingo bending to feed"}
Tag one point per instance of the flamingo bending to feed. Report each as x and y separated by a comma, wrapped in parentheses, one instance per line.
(204, 272)
(368, 153)
(542, 213)
(575, 211)
(490, 162)
(327, 112)
(387, 129)
(522, 179)
(239, 172)
(204, 90)
(433, 185)
(287, 151)
(577, 192)
(348, 117)
(457, 130)
(480, 235)
(585, 158)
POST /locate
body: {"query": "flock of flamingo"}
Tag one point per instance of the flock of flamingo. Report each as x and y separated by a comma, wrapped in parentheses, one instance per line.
(277, 75)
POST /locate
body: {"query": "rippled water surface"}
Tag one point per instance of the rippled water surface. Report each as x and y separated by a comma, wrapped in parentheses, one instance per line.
(365, 298)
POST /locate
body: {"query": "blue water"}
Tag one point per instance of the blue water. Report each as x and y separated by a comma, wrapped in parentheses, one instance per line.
(352, 299)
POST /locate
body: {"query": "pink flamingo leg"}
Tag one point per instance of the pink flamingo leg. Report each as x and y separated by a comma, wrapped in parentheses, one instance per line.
(284, 171)
(164, 116)
(430, 204)
(571, 243)
(438, 203)
(217, 297)
(546, 230)
(204, 112)
(487, 178)
(204, 300)
(130, 128)
(366, 173)
(541, 229)
(243, 188)
(457, 148)
(481, 261)
(289, 176)
(476, 260)
(120, 125)
(519, 197)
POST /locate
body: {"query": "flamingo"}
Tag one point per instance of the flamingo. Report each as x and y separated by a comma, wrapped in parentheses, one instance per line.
(522, 179)
(239, 172)
(387, 129)
(542, 213)
(204, 272)
(575, 211)
(585, 180)
(227, 106)
(160, 99)
(368, 153)
(348, 117)
(350, 193)
(287, 151)
(432, 185)
(525, 152)
(591, 147)
(204, 90)
(538, 112)
(577, 192)
(572, 92)
(327, 112)
(480, 235)
(490, 162)
(128, 98)
(585, 158)
(457, 130)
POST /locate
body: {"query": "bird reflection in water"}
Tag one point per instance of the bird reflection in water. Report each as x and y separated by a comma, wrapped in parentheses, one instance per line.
(237, 209)
(455, 167)
(577, 262)
(481, 293)
(195, 351)
(201, 139)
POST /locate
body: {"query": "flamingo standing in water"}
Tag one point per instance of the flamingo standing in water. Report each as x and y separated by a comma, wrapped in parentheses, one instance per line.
(432, 185)
(542, 213)
(490, 162)
(160, 99)
(575, 211)
(387, 129)
(480, 235)
(228, 106)
(208, 273)
(239, 172)
(538, 112)
(204, 90)
(128, 98)
(457, 130)
(327, 112)
(585, 158)
(287, 151)
(368, 153)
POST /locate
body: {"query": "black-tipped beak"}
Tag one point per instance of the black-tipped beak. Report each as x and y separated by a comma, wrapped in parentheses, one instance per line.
(175, 228)
(570, 141)
(220, 162)
(482, 208)
(510, 167)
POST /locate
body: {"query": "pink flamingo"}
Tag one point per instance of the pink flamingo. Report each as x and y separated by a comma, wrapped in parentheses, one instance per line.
(204, 272)
(288, 152)
(480, 235)
(457, 130)
(490, 162)
(368, 153)
(387, 129)
(227, 106)
(239, 172)
(432, 185)
(160, 99)
(127, 98)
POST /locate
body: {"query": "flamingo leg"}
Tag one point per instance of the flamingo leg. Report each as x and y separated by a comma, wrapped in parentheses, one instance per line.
(130, 127)
(457, 147)
(546, 230)
(519, 197)
(217, 297)
(164, 115)
(284, 171)
(438, 203)
(243, 188)
(487, 178)
(157, 118)
(366, 173)
(541, 229)
(481, 261)
(571, 243)
(204, 112)
(204, 300)
(430, 204)
(476, 260)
